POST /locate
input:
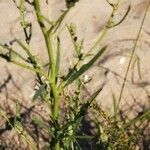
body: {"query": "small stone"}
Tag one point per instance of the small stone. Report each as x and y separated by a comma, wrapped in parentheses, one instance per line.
(122, 60)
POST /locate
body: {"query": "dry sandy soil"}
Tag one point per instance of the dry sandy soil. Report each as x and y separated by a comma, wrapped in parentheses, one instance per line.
(89, 17)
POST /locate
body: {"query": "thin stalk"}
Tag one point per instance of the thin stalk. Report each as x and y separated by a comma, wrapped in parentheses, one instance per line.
(99, 40)
(31, 69)
(48, 43)
(47, 38)
(46, 35)
(132, 54)
(100, 37)
(106, 28)
(53, 78)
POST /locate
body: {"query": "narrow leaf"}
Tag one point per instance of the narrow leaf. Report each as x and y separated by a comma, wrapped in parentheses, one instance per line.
(85, 67)
(42, 124)
(57, 58)
(115, 107)
(28, 51)
(12, 52)
(57, 23)
(25, 48)
(86, 106)
(39, 92)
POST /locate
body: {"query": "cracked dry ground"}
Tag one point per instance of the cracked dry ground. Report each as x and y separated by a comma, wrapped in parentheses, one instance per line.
(17, 84)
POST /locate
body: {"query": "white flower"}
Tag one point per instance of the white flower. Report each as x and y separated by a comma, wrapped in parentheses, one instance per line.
(36, 87)
(86, 78)
(43, 78)
(32, 94)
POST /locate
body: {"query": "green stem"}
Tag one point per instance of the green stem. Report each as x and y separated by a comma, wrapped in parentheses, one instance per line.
(47, 38)
(131, 56)
(31, 69)
(53, 85)
(106, 28)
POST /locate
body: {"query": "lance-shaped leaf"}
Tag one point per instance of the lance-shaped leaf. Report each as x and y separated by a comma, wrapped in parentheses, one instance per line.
(115, 108)
(39, 92)
(87, 105)
(26, 49)
(11, 54)
(42, 124)
(85, 67)
(58, 22)
(57, 58)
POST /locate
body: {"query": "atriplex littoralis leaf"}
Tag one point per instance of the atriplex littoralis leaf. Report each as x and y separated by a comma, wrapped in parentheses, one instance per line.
(85, 67)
